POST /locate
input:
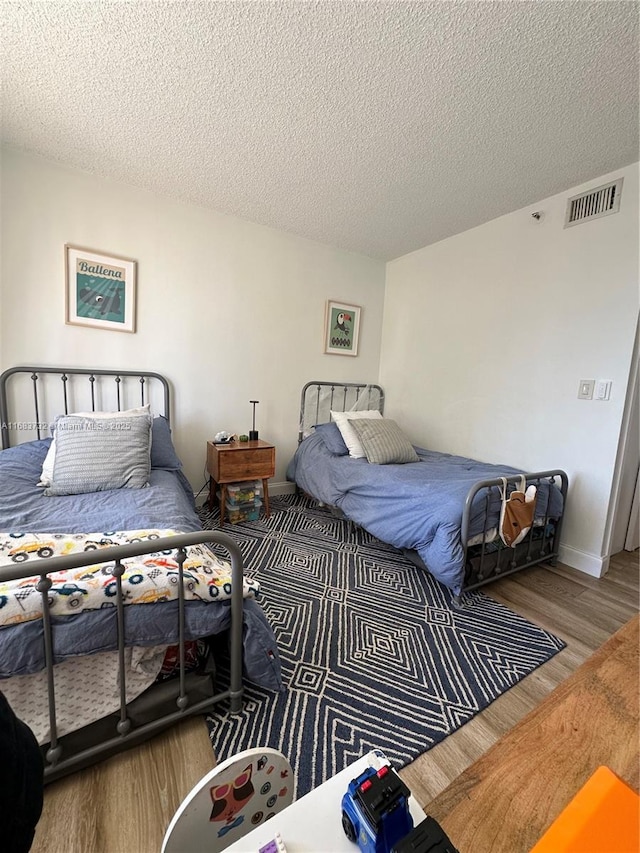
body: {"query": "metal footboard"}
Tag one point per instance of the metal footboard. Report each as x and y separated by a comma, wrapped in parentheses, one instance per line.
(125, 734)
(488, 559)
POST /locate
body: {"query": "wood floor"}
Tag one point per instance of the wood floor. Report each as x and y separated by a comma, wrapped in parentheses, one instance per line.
(124, 804)
(507, 800)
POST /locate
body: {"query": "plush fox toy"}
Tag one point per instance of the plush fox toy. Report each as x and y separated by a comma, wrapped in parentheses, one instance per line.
(516, 515)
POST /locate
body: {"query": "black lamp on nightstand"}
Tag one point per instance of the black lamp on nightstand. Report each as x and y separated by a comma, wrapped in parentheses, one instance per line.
(253, 433)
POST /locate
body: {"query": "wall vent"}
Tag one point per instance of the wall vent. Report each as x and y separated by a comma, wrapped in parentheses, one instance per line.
(593, 204)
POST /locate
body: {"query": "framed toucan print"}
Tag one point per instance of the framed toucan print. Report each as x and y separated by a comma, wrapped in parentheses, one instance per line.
(100, 290)
(342, 328)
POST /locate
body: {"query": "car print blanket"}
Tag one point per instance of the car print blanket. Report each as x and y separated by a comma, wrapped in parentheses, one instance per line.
(150, 578)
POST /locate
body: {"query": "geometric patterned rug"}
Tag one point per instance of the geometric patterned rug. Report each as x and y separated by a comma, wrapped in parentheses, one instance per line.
(374, 653)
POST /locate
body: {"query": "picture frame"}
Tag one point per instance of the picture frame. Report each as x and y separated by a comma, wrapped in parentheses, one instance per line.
(341, 328)
(100, 289)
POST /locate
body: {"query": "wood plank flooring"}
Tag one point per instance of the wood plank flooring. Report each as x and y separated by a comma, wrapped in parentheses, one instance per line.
(124, 804)
(505, 801)
(582, 610)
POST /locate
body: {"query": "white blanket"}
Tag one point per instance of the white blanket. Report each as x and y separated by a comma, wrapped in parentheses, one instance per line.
(86, 689)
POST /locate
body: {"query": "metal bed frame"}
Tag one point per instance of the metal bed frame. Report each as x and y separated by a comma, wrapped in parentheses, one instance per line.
(60, 759)
(484, 561)
(318, 399)
(67, 390)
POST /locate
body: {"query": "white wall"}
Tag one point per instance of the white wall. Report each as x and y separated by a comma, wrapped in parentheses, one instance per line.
(228, 310)
(487, 334)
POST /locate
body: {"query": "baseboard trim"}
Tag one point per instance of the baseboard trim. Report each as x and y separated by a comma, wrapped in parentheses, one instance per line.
(590, 564)
(285, 488)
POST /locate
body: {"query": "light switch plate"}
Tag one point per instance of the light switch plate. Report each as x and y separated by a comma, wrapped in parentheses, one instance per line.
(585, 389)
(603, 389)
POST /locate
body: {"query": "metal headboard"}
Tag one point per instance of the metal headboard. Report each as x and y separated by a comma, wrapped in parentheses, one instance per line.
(112, 390)
(319, 398)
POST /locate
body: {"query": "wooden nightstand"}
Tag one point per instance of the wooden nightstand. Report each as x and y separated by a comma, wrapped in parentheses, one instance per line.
(238, 462)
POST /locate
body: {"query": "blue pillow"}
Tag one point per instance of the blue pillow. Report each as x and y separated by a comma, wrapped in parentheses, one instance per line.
(332, 438)
(163, 453)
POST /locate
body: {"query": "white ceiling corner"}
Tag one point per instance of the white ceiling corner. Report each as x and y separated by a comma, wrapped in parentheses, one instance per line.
(378, 127)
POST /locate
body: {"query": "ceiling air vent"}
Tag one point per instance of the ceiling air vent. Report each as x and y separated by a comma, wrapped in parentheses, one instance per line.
(593, 204)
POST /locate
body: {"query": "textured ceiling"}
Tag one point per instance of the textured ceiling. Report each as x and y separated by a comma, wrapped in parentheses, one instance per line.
(379, 127)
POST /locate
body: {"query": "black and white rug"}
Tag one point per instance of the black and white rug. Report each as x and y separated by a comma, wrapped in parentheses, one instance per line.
(374, 654)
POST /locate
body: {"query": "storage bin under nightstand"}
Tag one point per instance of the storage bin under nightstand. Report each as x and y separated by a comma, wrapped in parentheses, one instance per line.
(242, 492)
(245, 511)
(244, 501)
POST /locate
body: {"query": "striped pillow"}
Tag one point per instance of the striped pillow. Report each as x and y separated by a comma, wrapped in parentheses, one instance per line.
(383, 442)
(95, 455)
(344, 421)
(47, 465)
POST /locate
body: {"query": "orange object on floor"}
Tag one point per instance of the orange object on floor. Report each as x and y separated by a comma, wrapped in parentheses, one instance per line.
(603, 817)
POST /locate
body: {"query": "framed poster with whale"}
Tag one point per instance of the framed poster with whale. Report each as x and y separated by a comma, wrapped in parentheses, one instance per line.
(342, 328)
(100, 290)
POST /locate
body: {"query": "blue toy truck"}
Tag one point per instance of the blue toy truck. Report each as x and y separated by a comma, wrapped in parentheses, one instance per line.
(375, 810)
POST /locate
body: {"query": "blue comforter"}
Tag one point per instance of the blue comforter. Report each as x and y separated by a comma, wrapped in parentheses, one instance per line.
(418, 505)
(167, 503)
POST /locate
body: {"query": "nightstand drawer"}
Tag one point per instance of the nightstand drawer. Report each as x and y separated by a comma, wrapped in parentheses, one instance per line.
(247, 464)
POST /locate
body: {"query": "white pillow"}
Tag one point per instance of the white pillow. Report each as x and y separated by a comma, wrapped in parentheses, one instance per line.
(47, 466)
(356, 450)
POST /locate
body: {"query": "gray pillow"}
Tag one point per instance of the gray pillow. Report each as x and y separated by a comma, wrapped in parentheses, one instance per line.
(383, 441)
(97, 455)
